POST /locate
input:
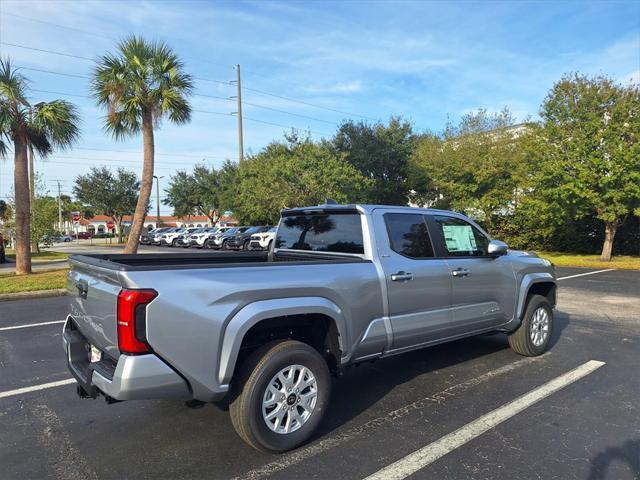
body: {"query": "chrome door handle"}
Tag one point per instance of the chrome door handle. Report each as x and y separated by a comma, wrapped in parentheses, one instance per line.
(401, 277)
(460, 272)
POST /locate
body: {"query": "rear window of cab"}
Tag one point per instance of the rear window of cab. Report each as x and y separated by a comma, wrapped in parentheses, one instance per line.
(322, 232)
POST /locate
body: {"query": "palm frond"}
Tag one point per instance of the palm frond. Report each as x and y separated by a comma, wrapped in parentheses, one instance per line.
(58, 121)
(142, 77)
(13, 85)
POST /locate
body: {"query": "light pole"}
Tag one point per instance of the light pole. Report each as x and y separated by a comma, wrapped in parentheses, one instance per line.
(157, 200)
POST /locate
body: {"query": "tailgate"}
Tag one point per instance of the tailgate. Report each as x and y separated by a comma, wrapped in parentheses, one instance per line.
(93, 297)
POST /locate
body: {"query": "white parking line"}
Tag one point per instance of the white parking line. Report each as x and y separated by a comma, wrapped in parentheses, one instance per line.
(298, 456)
(29, 325)
(35, 388)
(432, 452)
(588, 273)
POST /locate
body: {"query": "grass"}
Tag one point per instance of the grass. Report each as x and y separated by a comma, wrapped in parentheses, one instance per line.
(43, 255)
(47, 280)
(591, 261)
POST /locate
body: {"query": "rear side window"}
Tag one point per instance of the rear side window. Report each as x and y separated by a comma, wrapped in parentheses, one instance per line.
(408, 235)
(332, 232)
(460, 238)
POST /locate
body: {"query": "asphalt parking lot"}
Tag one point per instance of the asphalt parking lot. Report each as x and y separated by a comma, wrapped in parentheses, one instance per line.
(447, 412)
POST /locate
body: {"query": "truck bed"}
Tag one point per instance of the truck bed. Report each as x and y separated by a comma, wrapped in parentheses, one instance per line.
(171, 261)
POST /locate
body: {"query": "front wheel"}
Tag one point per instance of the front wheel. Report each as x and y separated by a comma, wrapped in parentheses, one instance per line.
(533, 336)
(280, 395)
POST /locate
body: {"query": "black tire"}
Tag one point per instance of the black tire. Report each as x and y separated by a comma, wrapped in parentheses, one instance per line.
(249, 386)
(174, 243)
(270, 245)
(520, 340)
(245, 245)
(223, 245)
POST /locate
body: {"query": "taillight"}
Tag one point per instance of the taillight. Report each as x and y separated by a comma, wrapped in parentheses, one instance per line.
(132, 318)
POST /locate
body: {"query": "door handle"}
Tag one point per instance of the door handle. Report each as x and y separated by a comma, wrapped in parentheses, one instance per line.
(460, 272)
(401, 276)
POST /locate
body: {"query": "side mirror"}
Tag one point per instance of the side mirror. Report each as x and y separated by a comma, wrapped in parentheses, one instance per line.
(497, 248)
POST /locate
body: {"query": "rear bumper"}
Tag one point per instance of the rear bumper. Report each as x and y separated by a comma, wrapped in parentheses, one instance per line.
(132, 377)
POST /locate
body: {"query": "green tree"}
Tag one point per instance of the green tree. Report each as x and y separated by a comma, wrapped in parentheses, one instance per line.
(381, 153)
(477, 166)
(139, 86)
(195, 193)
(293, 173)
(589, 150)
(42, 126)
(227, 185)
(44, 217)
(109, 194)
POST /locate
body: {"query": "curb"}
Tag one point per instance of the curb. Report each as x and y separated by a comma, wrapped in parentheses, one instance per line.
(55, 292)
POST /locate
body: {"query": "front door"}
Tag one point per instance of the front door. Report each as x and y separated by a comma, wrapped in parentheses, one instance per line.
(418, 284)
(483, 287)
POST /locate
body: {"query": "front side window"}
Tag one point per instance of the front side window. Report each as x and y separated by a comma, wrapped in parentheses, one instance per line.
(408, 235)
(333, 232)
(460, 238)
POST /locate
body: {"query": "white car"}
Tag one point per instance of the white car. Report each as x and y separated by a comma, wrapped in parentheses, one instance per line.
(156, 235)
(197, 238)
(169, 237)
(264, 240)
(213, 240)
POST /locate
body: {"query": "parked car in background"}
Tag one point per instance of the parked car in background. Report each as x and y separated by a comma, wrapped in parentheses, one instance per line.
(146, 236)
(241, 240)
(182, 240)
(219, 240)
(82, 235)
(168, 238)
(198, 238)
(64, 238)
(157, 235)
(263, 240)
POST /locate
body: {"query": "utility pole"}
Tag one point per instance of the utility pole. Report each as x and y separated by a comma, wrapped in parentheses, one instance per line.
(59, 207)
(239, 113)
(157, 200)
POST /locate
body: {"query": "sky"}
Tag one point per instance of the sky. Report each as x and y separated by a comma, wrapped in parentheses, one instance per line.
(310, 65)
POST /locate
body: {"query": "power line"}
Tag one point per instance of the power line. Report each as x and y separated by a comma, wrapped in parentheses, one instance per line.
(86, 32)
(221, 82)
(56, 73)
(47, 51)
(307, 103)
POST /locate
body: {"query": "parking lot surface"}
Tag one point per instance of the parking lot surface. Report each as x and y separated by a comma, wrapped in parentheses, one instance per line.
(468, 409)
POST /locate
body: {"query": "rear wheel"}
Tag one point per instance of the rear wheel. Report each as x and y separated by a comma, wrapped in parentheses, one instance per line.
(174, 243)
(245, 245)
(533, 336)
(279, 396)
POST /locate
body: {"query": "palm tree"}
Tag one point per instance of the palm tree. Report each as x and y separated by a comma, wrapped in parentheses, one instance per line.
(43, 127)
(141, 84)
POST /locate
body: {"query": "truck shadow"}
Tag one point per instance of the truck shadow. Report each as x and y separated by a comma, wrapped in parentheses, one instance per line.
(363, 386)
(621, 458)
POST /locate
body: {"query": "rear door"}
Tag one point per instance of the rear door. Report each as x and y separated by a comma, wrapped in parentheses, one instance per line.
(418, 284)
(483, 286)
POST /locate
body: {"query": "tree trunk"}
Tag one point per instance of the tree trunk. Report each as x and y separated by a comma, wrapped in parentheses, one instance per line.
(118, 223)
(23, 207)
(610, 229)
(35, 248)
(146, 185)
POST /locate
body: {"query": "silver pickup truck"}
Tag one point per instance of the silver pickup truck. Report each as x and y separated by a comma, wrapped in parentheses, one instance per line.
(264, 331)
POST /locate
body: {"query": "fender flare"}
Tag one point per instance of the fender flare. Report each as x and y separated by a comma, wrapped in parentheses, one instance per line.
(255, 312)
(527, 281)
